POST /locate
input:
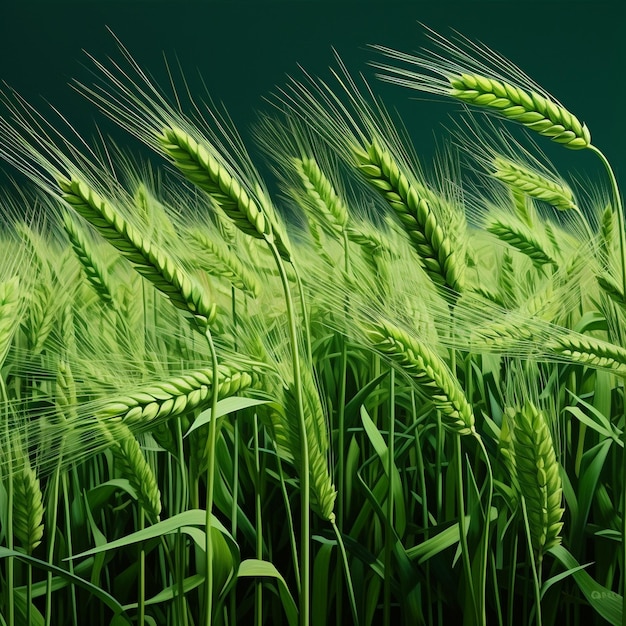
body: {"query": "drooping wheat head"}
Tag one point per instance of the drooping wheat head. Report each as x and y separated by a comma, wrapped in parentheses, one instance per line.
(480, 77)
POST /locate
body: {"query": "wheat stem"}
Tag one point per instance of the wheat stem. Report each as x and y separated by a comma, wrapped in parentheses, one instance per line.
(305, 542)
(210, 487)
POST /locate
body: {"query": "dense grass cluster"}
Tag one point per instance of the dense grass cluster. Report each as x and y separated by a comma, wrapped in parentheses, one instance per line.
(377, 395)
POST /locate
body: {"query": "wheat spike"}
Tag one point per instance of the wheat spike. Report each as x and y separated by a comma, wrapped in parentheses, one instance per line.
(149, 260)
(589, 351)
(534, 184)
(322, 193)
(133, 466)
(224, 263)
(433, 247)
(428, 370)
(28, 507)
(202, 168)
(95, 271)
(538, 476)
(287, 435)
(518, 235)
(9, 313)
(526, 107)
(173, 396)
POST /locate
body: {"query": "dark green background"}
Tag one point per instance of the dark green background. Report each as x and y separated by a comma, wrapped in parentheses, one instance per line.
(576, 50)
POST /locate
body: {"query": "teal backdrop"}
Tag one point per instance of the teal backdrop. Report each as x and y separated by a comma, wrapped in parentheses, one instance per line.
(244, 50)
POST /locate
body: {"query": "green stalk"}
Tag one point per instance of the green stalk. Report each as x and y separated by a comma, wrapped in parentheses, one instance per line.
(9, 529)
(467, 566)
(389, 540)
(305, 318)
(485, 533)
(341, 414)
(622, 254)
(29, 593)
(210, 483)
(70, 550)
(258, 604)
(305, 495)
(141, 583)
(536, 574)
(233, 511)
(234, 505)
(52, 539)
(344, 558)
(180, 538)
(292, 537)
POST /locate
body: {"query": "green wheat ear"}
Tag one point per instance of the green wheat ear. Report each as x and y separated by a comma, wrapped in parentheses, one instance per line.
(525, 107)
(197, 163)
(427, 370)
(152, 262)
(538, 476)
(9, 313)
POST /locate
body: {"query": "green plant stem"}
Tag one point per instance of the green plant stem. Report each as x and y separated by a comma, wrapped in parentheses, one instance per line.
(9, 530)
(258, 605)
(467, 566)
(344, 558)
(536, 579)
(210, 483)
(622, 253)
(234, 506)
(29, 593)
(305, 316)
(485, 532)
(235, 494)
(180, 538)
(52, 525)
(141, 583)
(341, 435)
(70, 549)
(292, 537)
(389, 535)
(341, 442)
(305, 495)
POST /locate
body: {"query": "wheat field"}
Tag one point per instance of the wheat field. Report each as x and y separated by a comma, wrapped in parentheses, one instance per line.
(312, 380)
